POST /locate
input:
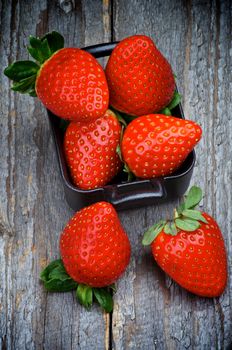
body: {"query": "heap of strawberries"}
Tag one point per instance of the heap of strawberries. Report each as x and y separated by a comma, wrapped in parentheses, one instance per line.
(139, 86)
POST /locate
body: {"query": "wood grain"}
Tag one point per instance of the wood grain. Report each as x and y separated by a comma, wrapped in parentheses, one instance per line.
(151, 312)
(33, 208)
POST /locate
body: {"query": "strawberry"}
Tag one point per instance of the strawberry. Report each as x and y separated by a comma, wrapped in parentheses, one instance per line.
(68, 81)
(140, 79)
(90, 151)
(94, 247)
(156, 145)
(190, 248)
(95, 251)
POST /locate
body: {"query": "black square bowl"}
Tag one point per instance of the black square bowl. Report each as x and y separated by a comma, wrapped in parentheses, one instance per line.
(122, 194)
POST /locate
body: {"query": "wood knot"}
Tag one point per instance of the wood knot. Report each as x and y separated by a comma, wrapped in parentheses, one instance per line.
(5, 228)
(67, 5)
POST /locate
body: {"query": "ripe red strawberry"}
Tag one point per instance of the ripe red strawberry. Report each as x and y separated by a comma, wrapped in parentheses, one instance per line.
(95, 251)
(156, 145)
(140, 79)
(94, 247)
(90, 151)
(190, 249)
(69, 81)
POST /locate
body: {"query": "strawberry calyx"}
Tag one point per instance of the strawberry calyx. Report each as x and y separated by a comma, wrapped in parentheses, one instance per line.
(185, 218)
(103, 296)
(56, 279)
(24, 73)
(174, 102)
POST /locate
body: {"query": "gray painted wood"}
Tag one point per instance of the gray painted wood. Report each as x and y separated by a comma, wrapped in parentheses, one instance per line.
(151, 312)
(33, 208)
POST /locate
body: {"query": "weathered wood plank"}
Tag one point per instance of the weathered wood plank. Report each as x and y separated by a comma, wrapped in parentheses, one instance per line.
(153, 312)
(33, 208)
(150, 310)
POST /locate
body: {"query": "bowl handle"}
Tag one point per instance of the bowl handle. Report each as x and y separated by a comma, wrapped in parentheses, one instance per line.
(101, 50)
(135, 191)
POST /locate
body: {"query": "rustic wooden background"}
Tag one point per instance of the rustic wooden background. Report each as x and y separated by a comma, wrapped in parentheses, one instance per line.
(151, 312)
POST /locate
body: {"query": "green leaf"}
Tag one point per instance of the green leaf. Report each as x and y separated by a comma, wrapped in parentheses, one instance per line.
(167, 228)
(104, 298)
(130, 175)
(113, 287)
(56, 279)
(194, 214)
(33, 93)
(55, 41)
(59, 272)
(56, 285)
(34, 42)
(20, 70)
(119, 152)
(173, 229)
(35, 54)
(153, 232)
(180, 208)
(193, 198)
(166, 111)
(85, 295)
(120, 118)
(39, 49)
(175, 100)
(26, 85)
(42, 49)
(187, 224)
(170, 228)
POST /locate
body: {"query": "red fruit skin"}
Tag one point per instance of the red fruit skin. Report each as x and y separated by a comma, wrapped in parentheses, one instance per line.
(195, 260)
(90, 151)
(94, 247)
(140, 79)
(156, 145)
(72, 85)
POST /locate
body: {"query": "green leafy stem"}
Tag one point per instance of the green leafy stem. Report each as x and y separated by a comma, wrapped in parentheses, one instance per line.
(56, 279)
(185, 218)
(174, 103)
(24, 73)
